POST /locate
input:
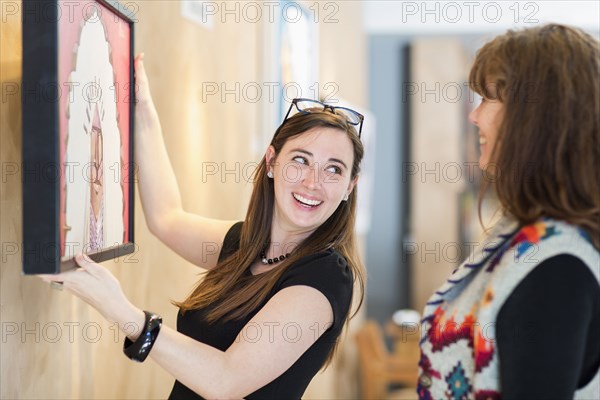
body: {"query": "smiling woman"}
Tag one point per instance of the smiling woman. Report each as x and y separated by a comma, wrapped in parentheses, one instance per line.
(311, 177)
(272, 305)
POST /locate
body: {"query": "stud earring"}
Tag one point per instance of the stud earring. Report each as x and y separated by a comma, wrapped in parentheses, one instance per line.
(270, 174)
(346, 197)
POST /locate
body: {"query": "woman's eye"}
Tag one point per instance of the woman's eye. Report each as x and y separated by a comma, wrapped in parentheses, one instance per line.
(334, 170)
(300, 160)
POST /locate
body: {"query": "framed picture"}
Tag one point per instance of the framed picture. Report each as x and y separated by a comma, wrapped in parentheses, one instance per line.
(78, 102)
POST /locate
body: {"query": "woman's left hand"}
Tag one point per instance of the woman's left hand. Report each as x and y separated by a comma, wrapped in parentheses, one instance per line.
(95, 285)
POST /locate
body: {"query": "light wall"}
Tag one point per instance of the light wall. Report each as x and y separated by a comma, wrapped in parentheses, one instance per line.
(53, 345)
(399, 17)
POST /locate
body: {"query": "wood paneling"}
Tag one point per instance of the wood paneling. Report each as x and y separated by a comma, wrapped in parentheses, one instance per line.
(438, 66)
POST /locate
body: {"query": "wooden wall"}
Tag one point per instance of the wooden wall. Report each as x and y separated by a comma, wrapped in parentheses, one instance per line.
(54, 346)
(438, 115)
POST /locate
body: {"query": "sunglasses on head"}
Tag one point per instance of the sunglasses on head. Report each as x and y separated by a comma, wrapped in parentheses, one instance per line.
(307, 106)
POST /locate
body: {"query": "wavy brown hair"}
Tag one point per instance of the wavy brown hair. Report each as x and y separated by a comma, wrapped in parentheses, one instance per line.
(238, 295)
(547, 153)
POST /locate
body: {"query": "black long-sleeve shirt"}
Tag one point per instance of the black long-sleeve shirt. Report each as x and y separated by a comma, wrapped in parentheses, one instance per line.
(548, 331)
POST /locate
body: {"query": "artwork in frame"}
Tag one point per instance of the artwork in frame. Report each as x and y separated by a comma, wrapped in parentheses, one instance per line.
(78, 102)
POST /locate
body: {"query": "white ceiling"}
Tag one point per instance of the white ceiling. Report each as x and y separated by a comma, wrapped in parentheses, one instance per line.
(463, 17)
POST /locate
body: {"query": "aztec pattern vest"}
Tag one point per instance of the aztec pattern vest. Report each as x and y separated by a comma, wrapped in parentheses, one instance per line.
(459, 358)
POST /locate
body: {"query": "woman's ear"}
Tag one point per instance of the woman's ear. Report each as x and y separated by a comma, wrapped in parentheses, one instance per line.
(270, 156)
(352, 184)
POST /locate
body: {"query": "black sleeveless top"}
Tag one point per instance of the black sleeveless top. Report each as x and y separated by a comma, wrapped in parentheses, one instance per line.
(327, 272)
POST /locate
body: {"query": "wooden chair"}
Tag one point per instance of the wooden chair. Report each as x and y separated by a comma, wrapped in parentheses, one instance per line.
(379, 369)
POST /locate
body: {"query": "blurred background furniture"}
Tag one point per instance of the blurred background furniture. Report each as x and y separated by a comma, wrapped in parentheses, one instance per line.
(381, 370)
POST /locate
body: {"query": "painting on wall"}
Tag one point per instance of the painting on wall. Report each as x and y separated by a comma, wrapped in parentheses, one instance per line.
(78, 103)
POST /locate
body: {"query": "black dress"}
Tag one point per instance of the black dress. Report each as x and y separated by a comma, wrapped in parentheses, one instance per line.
(327, 272)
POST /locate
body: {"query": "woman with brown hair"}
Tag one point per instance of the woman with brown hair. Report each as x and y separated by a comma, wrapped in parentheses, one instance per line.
(520, 318)
(268, 313)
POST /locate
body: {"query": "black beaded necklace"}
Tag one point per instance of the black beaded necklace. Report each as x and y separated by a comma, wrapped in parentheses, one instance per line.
(265, 260)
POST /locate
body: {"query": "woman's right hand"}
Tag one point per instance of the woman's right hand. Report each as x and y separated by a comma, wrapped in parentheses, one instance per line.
(142, 93)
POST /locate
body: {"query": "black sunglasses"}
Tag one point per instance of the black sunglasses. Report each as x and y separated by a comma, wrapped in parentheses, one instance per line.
(306, 106)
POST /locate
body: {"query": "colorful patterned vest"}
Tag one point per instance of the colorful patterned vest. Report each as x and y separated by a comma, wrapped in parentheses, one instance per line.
(459, 359)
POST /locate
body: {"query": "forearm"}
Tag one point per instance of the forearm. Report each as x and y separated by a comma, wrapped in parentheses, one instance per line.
(202, 368)
(159, 192)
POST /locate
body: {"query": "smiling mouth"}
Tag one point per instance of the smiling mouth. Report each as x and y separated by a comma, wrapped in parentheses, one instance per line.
(304, 202)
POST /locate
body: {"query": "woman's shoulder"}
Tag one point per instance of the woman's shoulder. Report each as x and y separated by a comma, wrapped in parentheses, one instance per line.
(549, 237)
(327, 256)
(326, 261)
(545, 228)
(231, 242)
(235, 231)
(328, 272)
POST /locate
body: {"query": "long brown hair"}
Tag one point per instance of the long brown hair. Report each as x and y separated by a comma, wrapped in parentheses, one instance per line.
(546, 161)
(237, 295)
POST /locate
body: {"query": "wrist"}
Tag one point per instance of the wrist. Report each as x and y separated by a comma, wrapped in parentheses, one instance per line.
(139, 349)
(146, 111)
(130, 321)
(134, 324)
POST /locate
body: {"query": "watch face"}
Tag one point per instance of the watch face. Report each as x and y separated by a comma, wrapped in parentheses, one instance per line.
(94, 60)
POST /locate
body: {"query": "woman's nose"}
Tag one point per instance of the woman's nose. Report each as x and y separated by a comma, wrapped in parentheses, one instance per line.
(311, 179)
(473, 115)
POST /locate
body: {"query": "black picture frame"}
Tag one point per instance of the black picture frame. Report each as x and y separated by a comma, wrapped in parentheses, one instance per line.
(44, 244)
